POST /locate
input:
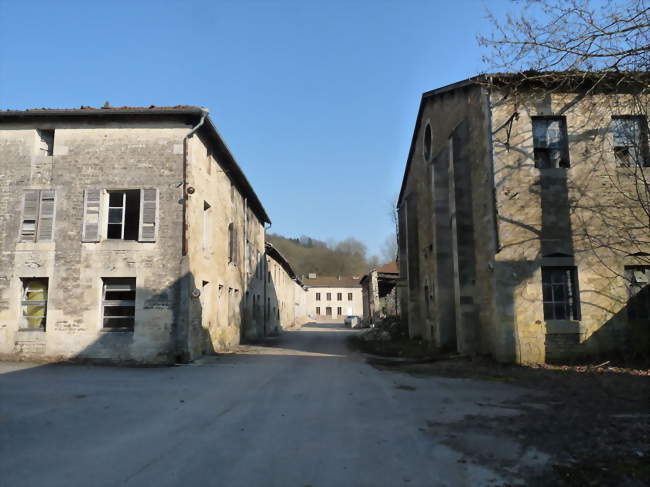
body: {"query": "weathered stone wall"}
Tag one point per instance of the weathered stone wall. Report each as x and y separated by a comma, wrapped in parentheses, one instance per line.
(227, 310)
(286, 299)
(588, 216)
(100, 156)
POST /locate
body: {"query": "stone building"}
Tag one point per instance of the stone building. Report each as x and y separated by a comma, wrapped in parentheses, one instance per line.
(286, 297)
(380, 292)
(333, 298)
(126, 234)
(523, 217)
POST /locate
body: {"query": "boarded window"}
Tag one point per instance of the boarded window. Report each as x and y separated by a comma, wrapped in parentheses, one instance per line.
(550, 142)
(560, 293)
(629, 138)
(118, 303)
(37, 223)
(34, 303)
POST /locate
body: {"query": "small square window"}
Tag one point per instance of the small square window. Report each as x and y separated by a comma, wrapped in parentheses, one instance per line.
(34, 303)
(118, 303)
(550, 142)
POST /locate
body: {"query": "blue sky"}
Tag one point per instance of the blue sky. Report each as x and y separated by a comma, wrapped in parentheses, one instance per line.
(316, 100)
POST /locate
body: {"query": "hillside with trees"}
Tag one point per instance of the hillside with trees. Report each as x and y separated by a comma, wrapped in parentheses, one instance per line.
(348, 257)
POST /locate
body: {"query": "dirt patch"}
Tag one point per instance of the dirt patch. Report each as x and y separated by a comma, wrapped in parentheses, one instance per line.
(591, 423)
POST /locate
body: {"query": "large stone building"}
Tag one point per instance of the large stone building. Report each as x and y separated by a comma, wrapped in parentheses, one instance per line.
(125, 234)
(333, 298)
(286, 297)
(523, 217)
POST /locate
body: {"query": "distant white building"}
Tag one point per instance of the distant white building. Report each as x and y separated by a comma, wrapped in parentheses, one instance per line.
(333, 298)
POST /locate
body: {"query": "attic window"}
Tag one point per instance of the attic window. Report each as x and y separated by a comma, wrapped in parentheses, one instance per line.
(46, 143)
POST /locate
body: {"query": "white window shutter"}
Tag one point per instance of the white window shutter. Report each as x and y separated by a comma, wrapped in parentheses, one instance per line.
(148, 215)
(46, 216)
(30, 215)
(90, 231)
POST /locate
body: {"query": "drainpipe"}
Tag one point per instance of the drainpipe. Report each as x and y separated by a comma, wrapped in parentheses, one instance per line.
(183, 338)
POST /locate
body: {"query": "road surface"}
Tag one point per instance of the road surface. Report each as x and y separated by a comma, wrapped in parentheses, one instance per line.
(303, 411)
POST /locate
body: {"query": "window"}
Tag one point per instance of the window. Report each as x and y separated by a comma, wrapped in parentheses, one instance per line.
(46, 142)
(34, 304)
(317, 310)
(339, 311)
(629, 134)
(426, 150)
(328, 311)
(560, 293)
(329, 296)
(317, 296)
(638, 285)
(206, 227)
(37, 224)
(231, 243)
(118, 303)
(550, 142)
(349, 296)
(339, 296)
(123, 215)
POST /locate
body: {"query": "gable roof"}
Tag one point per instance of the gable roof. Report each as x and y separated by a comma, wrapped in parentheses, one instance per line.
(185, 113)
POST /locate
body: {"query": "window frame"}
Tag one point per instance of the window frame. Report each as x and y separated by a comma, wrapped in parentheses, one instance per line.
(328, 296)
(565, 159)
(339, 296)
(24, 302)
(571, 302)
(350, 296)
(317, 296)
(643, 156)
(118, 284)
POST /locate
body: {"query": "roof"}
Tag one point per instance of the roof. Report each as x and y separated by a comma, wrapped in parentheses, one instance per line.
(275, 254)
(334, 281)
(390, 268)
(621, 81)
(186, 113)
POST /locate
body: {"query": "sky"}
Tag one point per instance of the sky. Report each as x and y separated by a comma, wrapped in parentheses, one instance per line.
(315, 99)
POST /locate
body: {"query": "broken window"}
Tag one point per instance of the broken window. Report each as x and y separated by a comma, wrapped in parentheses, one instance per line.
(560, 293)
(123, 215)
(339, 296)
(37, 222)
(34, 303)
(629, 134)
(329, 296)
(550, 142)
(118, 303)
(638, 286)
(349, 296)
(317, 296)
(46, 141)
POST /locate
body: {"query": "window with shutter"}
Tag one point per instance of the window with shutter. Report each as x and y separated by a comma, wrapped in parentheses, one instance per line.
(148, 214)
(37, 223)
(90, 232)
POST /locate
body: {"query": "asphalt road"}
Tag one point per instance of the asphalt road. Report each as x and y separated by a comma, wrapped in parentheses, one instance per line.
(304, 411)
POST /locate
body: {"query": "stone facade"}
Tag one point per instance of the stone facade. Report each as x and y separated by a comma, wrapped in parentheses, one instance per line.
(380, 292)
(488, 235)
(333, 298)
(174, 276)
(286, 297)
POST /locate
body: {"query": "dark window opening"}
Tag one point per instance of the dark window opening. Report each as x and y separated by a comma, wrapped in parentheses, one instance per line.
(560, 293)
(34, 304)
(638, 285)
(339, 296)
(123, 214)
(427, 142)
(349, 296)
(118, 303)
(46, 141)
(339, 311)
(317, 296)
(550, 142)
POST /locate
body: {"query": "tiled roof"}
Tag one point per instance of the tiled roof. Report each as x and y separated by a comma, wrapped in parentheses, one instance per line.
(334, 281)
(390, 268)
